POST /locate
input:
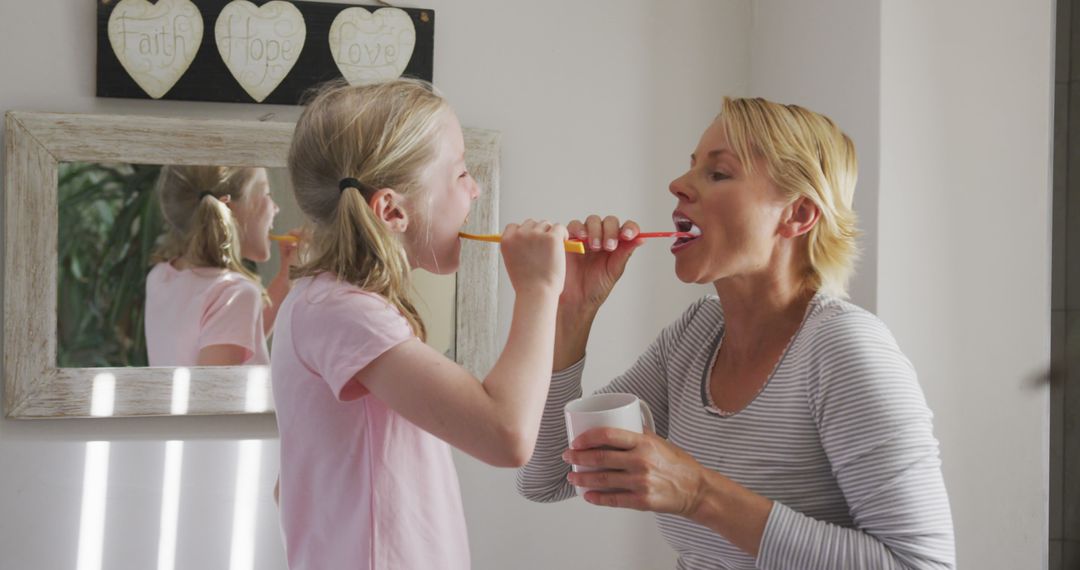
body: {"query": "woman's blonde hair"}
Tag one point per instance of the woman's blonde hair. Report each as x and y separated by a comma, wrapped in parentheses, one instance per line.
(382, 135)
(808, 156)
(201, 229)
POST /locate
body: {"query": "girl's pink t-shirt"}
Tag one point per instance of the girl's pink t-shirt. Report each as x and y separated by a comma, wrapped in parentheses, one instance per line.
(188, 310)
(361, 486)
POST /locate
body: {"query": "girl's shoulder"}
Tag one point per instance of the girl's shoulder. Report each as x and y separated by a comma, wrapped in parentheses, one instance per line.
(165, 274)
(322, 307)
(325, 293)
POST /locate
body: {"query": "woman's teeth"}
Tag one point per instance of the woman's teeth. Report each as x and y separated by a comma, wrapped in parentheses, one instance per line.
(684, 225)
(693, 230)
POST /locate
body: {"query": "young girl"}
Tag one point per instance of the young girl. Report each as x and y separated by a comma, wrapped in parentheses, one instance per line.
(365, 409)
(203, 307)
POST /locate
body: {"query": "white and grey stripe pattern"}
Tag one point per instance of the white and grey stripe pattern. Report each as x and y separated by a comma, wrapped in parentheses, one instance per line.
(840, 439)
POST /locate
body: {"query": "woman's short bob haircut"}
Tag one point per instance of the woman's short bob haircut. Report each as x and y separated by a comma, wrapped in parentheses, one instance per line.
(806, 155)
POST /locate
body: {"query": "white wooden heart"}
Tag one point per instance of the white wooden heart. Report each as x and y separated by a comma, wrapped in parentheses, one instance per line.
(371, 47)
(155, 43)
(260, 45)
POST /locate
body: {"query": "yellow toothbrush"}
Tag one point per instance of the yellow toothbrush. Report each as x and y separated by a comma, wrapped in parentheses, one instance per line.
(568, 245)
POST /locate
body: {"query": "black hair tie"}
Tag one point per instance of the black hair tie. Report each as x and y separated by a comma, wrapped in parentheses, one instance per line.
(366, 191)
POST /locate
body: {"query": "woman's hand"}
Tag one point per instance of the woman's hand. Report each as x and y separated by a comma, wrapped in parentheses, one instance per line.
(640, 471)
(589, 280)
(649, 473)
(590, 277)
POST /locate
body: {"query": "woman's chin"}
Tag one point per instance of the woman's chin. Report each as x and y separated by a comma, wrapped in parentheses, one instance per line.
(693, 275)
(684, 272)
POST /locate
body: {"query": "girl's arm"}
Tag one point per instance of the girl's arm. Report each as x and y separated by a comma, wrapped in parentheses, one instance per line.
(495, 421)
(222, 355)
(281, 284)
(277, 290)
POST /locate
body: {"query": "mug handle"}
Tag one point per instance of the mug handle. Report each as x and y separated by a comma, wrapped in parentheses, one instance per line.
(646, 416)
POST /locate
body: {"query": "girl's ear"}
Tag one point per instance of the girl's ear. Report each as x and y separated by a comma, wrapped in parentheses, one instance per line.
(799, 218)
(388, 207)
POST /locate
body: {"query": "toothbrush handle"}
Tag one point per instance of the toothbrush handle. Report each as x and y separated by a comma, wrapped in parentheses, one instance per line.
(569, 245)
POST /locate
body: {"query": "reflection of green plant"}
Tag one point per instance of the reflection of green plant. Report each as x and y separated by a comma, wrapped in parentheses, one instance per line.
(109, 224)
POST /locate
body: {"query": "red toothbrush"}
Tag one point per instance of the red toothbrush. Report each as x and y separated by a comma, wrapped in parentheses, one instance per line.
(657, 235)
(666, 235)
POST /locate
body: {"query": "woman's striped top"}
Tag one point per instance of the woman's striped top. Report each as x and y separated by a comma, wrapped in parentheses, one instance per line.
(840, 439)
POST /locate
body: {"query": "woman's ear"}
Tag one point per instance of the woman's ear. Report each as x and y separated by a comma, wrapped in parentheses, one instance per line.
(388, 207)
(799, 218)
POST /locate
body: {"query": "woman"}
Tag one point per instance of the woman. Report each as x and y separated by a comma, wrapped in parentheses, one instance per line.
(791, 432)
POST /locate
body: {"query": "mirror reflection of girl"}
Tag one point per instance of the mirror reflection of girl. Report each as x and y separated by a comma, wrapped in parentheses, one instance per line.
(366, 410)
(203, 306)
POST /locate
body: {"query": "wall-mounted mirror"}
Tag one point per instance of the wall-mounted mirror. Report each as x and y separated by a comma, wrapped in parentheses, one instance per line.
(84, 231)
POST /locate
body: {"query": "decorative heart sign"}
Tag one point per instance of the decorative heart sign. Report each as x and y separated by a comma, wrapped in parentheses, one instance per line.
(155, 43)
(369, 47)
(260, 45)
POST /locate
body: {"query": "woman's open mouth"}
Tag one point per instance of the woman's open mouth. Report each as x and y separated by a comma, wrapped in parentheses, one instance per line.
(684, 224)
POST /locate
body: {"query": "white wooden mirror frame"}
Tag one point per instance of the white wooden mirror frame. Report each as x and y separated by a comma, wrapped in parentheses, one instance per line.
(34, 146)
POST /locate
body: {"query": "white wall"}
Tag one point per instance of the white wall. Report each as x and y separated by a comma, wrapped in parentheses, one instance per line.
(949, 105)
(825, 55)
(600, 104)
(964, 251)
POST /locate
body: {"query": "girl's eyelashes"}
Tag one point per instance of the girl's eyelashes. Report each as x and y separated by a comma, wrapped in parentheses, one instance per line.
(718, 176)
(463, 174)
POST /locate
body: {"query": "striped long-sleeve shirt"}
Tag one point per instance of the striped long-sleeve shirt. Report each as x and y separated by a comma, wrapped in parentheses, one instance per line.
(840, 439)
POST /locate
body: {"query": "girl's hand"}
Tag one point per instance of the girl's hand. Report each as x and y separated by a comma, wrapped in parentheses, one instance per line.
(289, 251)
(533, 255)
(590, 277)
(641, 471)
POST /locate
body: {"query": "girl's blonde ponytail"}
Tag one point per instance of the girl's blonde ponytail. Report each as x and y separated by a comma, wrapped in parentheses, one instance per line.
(201, 228)
(381, 135)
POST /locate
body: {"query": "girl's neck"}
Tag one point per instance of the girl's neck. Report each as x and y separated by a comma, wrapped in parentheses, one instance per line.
(182, 264)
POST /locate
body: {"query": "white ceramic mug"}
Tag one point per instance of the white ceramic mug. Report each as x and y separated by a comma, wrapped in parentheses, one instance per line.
(622, 411)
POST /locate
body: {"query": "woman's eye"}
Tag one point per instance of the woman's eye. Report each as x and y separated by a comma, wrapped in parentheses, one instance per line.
(718, 176)
(463, 174)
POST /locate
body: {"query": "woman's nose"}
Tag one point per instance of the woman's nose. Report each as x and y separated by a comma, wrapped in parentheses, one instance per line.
(475, 191)
(679, 188)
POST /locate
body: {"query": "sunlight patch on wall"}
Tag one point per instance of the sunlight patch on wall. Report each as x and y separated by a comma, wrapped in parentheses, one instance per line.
(170, 487)
(96, 479)
(249, 461)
